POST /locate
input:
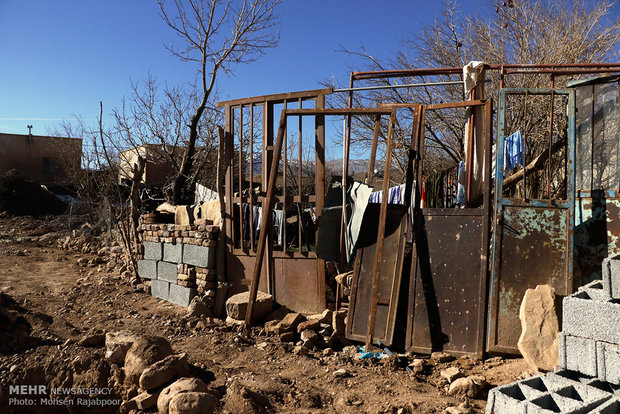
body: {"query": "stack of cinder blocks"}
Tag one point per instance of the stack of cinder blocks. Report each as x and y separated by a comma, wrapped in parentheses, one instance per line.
(589, 351)
(179, 261)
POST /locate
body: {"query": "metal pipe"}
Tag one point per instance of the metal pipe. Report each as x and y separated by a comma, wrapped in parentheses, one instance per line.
(409, 85)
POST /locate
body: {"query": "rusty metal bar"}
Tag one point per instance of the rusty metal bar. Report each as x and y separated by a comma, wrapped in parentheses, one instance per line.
(319, 183)
(550, 142)
(299, 177)
(373, 151)
(284, 182)
(265, 223)
(252, 177)
(345, 173)
(241, 235)
(276, 98)
(380, 235)
(464, 104)
(409, 85)
(339, 111)
(470, 136)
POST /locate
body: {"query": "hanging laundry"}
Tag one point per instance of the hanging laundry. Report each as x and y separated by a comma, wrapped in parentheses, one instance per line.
(278, 223)
(396, 195)
(460, 189)
(513, 151)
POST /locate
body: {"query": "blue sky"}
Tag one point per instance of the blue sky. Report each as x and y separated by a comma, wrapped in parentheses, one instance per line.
(60, 58)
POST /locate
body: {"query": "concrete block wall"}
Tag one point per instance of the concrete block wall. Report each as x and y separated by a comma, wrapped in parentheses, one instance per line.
(589, 351)
(179, 261)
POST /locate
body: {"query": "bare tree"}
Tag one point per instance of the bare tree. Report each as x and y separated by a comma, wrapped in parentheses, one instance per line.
(216, 34)
(516, 31)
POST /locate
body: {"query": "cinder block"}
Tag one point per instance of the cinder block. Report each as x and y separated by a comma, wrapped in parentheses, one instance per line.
(152, 251)
(147, 269)
(577, 354)
(181, 295)
(611, 406)
(560, 392)
(611, 276)
(160, 289)
(173, 253)
(201, 256)
(167, 271)
(588, 318)
(608, 362)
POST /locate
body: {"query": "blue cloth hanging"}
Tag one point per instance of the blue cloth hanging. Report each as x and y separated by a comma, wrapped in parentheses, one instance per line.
(513, 151)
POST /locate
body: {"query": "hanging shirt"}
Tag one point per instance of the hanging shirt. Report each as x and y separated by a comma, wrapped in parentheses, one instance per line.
(513, 151)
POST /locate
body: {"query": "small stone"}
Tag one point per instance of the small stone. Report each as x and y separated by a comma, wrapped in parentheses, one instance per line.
(470, 386)
(459, 410)
(338, 322)
(418, 365)
(341, 373)
(328, 352)
(93, 340)
(163, 371)
(310, 336)
(451, 373)
(300, 350)
(288, 336)
(441, 357)
(309, 324)
(290, 322)
(146, 400)
(236, 305)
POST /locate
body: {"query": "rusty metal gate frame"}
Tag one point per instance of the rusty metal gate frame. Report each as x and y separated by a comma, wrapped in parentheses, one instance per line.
(477, 324)
(240, 260)
(501, 203)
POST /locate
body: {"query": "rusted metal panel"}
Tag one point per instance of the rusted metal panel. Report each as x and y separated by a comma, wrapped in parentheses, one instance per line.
(388, 282)
(297, 285)
(533, 239)
(533, 250)
(448, 276)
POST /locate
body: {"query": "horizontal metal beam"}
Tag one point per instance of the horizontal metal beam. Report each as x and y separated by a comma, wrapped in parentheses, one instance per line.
(276, 97)
(409, 85)
(338, 111)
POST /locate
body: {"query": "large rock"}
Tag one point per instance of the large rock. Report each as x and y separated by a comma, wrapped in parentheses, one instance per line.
(237, 305)
(538, 342)
(470, 386)
(290, 322)
(178, 387)
(117, 344)
(163, 371)
(144, 352)
(192, 402)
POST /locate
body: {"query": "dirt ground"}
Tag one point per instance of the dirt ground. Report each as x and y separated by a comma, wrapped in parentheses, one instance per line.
(64, 300)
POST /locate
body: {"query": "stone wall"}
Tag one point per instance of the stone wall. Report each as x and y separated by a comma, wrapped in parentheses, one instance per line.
(179, 261)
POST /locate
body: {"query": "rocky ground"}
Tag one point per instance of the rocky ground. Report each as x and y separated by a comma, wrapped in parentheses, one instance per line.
(60, 296)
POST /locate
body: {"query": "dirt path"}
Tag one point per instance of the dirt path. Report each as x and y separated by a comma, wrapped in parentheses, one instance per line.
(65, 300)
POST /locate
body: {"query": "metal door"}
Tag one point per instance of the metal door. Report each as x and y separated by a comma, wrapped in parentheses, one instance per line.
(532, 239)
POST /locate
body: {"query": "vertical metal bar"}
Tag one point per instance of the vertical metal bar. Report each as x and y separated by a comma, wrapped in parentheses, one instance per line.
(380, 236)
(319, 185)
(470, 145)
(345, 172)
(570, 187)
(486, 224)
(228, 180)
(416, 137)
(265, 225)
(231, 151)
(550, 139)
(251, 177)
(266, 167)
(299, 176)
(284, 185)
(373, 151)
(241, 235)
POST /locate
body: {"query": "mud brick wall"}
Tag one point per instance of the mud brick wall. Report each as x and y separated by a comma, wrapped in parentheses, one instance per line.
(179, 261)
